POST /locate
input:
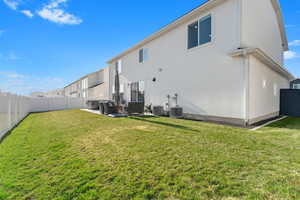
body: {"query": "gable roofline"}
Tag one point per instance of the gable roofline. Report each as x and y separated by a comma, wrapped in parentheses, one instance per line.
(278, 12)
(209, 4)
(85, 76)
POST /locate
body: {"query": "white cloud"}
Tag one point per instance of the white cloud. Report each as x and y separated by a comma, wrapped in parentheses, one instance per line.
(17, 83)
(288, 55)
(9, 74)
(12, 56)
(13, 4)
(295, 43)
(28, 13)
(54, 13)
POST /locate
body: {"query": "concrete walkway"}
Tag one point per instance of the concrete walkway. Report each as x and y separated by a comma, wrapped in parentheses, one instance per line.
(92, 111)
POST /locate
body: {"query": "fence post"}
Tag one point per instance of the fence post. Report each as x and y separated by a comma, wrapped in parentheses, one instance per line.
(9, 111)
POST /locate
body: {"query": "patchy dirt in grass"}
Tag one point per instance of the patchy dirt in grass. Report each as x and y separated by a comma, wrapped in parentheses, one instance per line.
(96, 140)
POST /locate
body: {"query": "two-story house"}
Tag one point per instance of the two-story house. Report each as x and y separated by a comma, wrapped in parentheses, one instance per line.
(224, 59)
(93, 86)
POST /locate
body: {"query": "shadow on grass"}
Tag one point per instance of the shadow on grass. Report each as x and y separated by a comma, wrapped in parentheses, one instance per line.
(287, 123)
(8, 133)
(171, 125)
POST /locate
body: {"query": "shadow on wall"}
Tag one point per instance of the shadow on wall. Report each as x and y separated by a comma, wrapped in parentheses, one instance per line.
(171, 125)
(191, 108)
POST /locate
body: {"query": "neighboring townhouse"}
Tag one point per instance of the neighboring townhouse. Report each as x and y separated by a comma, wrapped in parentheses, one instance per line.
(93, 86)
(224, 59)
(72, 90)
(55, 93)
(98, 85)
(78, 88)
(295, 84)
(37, 94)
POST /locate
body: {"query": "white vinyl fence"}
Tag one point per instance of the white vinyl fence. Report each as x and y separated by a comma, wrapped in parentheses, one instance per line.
(15, 108)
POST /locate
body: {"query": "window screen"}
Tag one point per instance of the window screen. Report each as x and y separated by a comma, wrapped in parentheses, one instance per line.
(145, 55)
(141, 56)
(205, 30)
(193, 35)
(199, 32)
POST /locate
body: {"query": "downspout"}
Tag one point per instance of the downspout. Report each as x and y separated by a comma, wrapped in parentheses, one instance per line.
(245, 62)
(246, 59)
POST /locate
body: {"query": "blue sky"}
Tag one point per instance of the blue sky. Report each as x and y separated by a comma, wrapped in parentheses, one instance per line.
(46, 44)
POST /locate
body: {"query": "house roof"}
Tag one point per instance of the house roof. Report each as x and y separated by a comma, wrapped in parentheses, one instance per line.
(83, 77)
(193, 13)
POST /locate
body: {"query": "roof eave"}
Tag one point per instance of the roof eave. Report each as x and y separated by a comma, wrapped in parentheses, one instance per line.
(204, 7)
(262, 56)
(280, 20)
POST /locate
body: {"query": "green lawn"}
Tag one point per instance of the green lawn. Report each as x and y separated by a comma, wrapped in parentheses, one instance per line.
(79, 155)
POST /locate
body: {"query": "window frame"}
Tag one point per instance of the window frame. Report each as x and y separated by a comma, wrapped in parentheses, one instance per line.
(143, 55)
(202, 18)
(137, 91)
(188, 34)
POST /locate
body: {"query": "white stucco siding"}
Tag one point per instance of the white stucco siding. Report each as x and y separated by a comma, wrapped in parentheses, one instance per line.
(260, 28)
(207, 80)
(264, 91)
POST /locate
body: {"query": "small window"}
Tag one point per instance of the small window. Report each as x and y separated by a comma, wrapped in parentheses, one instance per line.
(143, 55)
(199, 32)
(193, 35)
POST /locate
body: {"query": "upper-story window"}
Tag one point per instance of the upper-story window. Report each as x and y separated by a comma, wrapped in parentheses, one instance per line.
(199, 32)
(143, 55)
